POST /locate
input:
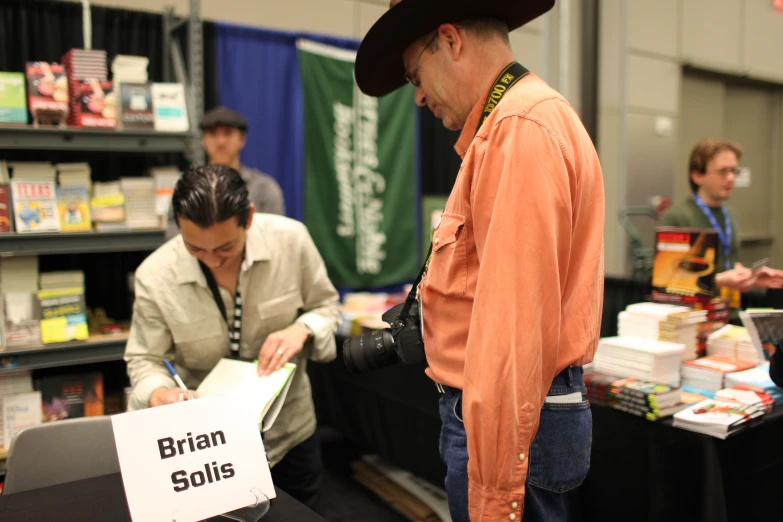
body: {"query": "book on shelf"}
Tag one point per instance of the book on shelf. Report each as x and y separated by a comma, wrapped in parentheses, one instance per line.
(19, 411)
(73, 205)
(35, 206)
(684, 265)
(63, 315)
(240, 379)
(13, 99)
(136, 111)
(21, 323)
(47, 92)
(168, 102)
(93, 104)
(71, 396)
(6, 225)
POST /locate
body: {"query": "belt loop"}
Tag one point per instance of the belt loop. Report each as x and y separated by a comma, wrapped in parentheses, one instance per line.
(570, 376)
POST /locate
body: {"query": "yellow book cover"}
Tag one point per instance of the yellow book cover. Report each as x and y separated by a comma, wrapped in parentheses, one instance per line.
(63, 315)
(73, 207)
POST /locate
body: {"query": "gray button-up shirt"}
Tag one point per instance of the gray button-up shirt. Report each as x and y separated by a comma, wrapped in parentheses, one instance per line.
(175, 317)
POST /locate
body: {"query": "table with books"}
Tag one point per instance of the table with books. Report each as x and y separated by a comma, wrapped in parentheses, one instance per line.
(690, 421)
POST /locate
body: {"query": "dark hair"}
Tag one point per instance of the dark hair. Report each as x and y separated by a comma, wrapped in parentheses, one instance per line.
(704, 151)
(211, 194)
(484, 29)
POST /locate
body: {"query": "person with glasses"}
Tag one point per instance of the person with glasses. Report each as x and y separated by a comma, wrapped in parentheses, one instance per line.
(712, 171)
(512, 295)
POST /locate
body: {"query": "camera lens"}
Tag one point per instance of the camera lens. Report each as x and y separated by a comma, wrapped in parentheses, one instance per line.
(370, 351)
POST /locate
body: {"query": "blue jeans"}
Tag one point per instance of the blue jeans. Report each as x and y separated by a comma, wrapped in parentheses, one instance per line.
(559, 455)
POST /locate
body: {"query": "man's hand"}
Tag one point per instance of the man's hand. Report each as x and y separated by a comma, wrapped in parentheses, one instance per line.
(163, 396)
(743, 278)
(280, 347)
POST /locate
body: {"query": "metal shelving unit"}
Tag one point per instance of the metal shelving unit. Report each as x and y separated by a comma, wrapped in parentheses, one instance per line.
(81, 139)
(14, 244)
(98, 349)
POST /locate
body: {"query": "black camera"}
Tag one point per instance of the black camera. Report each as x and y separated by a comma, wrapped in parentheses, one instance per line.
(401, 342)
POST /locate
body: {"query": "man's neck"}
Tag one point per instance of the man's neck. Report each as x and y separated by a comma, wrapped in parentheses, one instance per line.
(236, 164)
(710, 201)
(487, 65)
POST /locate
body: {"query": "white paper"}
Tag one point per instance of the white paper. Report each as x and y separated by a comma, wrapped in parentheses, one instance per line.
(224, 438)
(20, 411)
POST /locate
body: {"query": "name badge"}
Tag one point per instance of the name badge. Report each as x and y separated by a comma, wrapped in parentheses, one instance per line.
(191, 460)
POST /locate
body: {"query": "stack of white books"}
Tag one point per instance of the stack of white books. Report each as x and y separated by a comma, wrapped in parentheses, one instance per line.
(732, 341)
(63, 280)
(648, 359)
(707, 373)
(75, 175)
(663, 322)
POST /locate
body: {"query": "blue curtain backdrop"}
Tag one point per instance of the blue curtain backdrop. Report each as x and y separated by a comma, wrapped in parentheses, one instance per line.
(259, 77)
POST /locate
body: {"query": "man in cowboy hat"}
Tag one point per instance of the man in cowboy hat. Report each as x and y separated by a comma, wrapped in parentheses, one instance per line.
(512, 297)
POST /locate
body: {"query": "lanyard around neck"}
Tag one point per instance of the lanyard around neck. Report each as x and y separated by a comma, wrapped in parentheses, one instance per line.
(235, 323)
(505, 80)
(723, 235)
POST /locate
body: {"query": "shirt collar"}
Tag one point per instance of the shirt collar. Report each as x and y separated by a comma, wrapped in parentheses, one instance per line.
(469, 129)
(256, 250)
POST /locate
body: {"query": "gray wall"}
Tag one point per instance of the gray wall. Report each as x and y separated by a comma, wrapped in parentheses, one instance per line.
(643, 47)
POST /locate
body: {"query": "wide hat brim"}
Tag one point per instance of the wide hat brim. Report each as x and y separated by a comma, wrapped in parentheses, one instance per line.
(379, 67)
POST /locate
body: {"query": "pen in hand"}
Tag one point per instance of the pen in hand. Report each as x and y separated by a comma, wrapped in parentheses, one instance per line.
(176, 377)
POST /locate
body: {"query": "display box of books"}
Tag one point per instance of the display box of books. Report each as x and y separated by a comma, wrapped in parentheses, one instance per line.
(13, 102)
(684, 265)
(35, 206)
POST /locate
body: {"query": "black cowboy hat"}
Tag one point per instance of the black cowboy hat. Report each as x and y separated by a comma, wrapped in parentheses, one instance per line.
(379, 67)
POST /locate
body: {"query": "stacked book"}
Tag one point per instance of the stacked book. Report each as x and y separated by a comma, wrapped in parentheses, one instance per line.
(165, 180)
(63, 309)
(717, 417)
(733, 342)
(756, 379)
(15, 385)
(717, 317)
(646, 399)
(708, 373)
(750, 397)
(651, 360)
(131, 83)
(129, 69)
(74, 175)
(92, 101)
(140, 202)
(19, 286)
(107, 207)
(34, 197)
(663, 322)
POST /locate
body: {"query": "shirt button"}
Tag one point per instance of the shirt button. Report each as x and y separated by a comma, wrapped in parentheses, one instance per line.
(521, 456)
(512, 516)
(514, 505)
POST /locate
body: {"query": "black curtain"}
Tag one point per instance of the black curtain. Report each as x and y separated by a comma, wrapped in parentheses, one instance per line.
(44, 30)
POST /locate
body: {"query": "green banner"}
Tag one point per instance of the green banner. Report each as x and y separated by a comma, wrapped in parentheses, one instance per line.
(360, 194)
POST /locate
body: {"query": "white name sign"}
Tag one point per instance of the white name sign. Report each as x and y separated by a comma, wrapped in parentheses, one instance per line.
(192, 460)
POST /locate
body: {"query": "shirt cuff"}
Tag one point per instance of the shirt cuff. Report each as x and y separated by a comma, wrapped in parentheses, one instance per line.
(486, 506)
(140, 399)
(314, 322)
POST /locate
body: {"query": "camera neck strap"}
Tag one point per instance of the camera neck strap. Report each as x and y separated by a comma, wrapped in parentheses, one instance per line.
(235, 324)
(507, 78)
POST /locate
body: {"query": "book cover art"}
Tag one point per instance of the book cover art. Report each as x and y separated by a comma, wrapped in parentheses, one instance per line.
(73, 204)
(71, 396)
(168, 101)
(63, 315)
(47, 87)
(684, 265)
(136, 106)
(35, 206)
(13, 102)
(96, 105)
(5, 209)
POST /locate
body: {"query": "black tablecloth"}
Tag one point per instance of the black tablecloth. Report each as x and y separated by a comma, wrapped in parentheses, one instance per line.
(640, 470)
(102, 499)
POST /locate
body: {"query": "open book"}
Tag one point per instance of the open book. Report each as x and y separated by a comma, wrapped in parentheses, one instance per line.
(239, 378)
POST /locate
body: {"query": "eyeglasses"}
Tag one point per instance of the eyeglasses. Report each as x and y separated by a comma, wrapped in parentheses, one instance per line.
(408, 76)
(728, 170)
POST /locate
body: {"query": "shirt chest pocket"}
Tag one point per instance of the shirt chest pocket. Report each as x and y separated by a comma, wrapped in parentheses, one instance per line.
(279, 312)
(200, 344)
(447, 273)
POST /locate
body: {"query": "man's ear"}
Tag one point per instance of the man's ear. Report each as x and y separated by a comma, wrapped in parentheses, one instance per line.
(250, 215)
(453, 39)
(696, 177)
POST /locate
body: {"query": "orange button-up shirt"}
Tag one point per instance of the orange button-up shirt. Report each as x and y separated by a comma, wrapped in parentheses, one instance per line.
(514, 289)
